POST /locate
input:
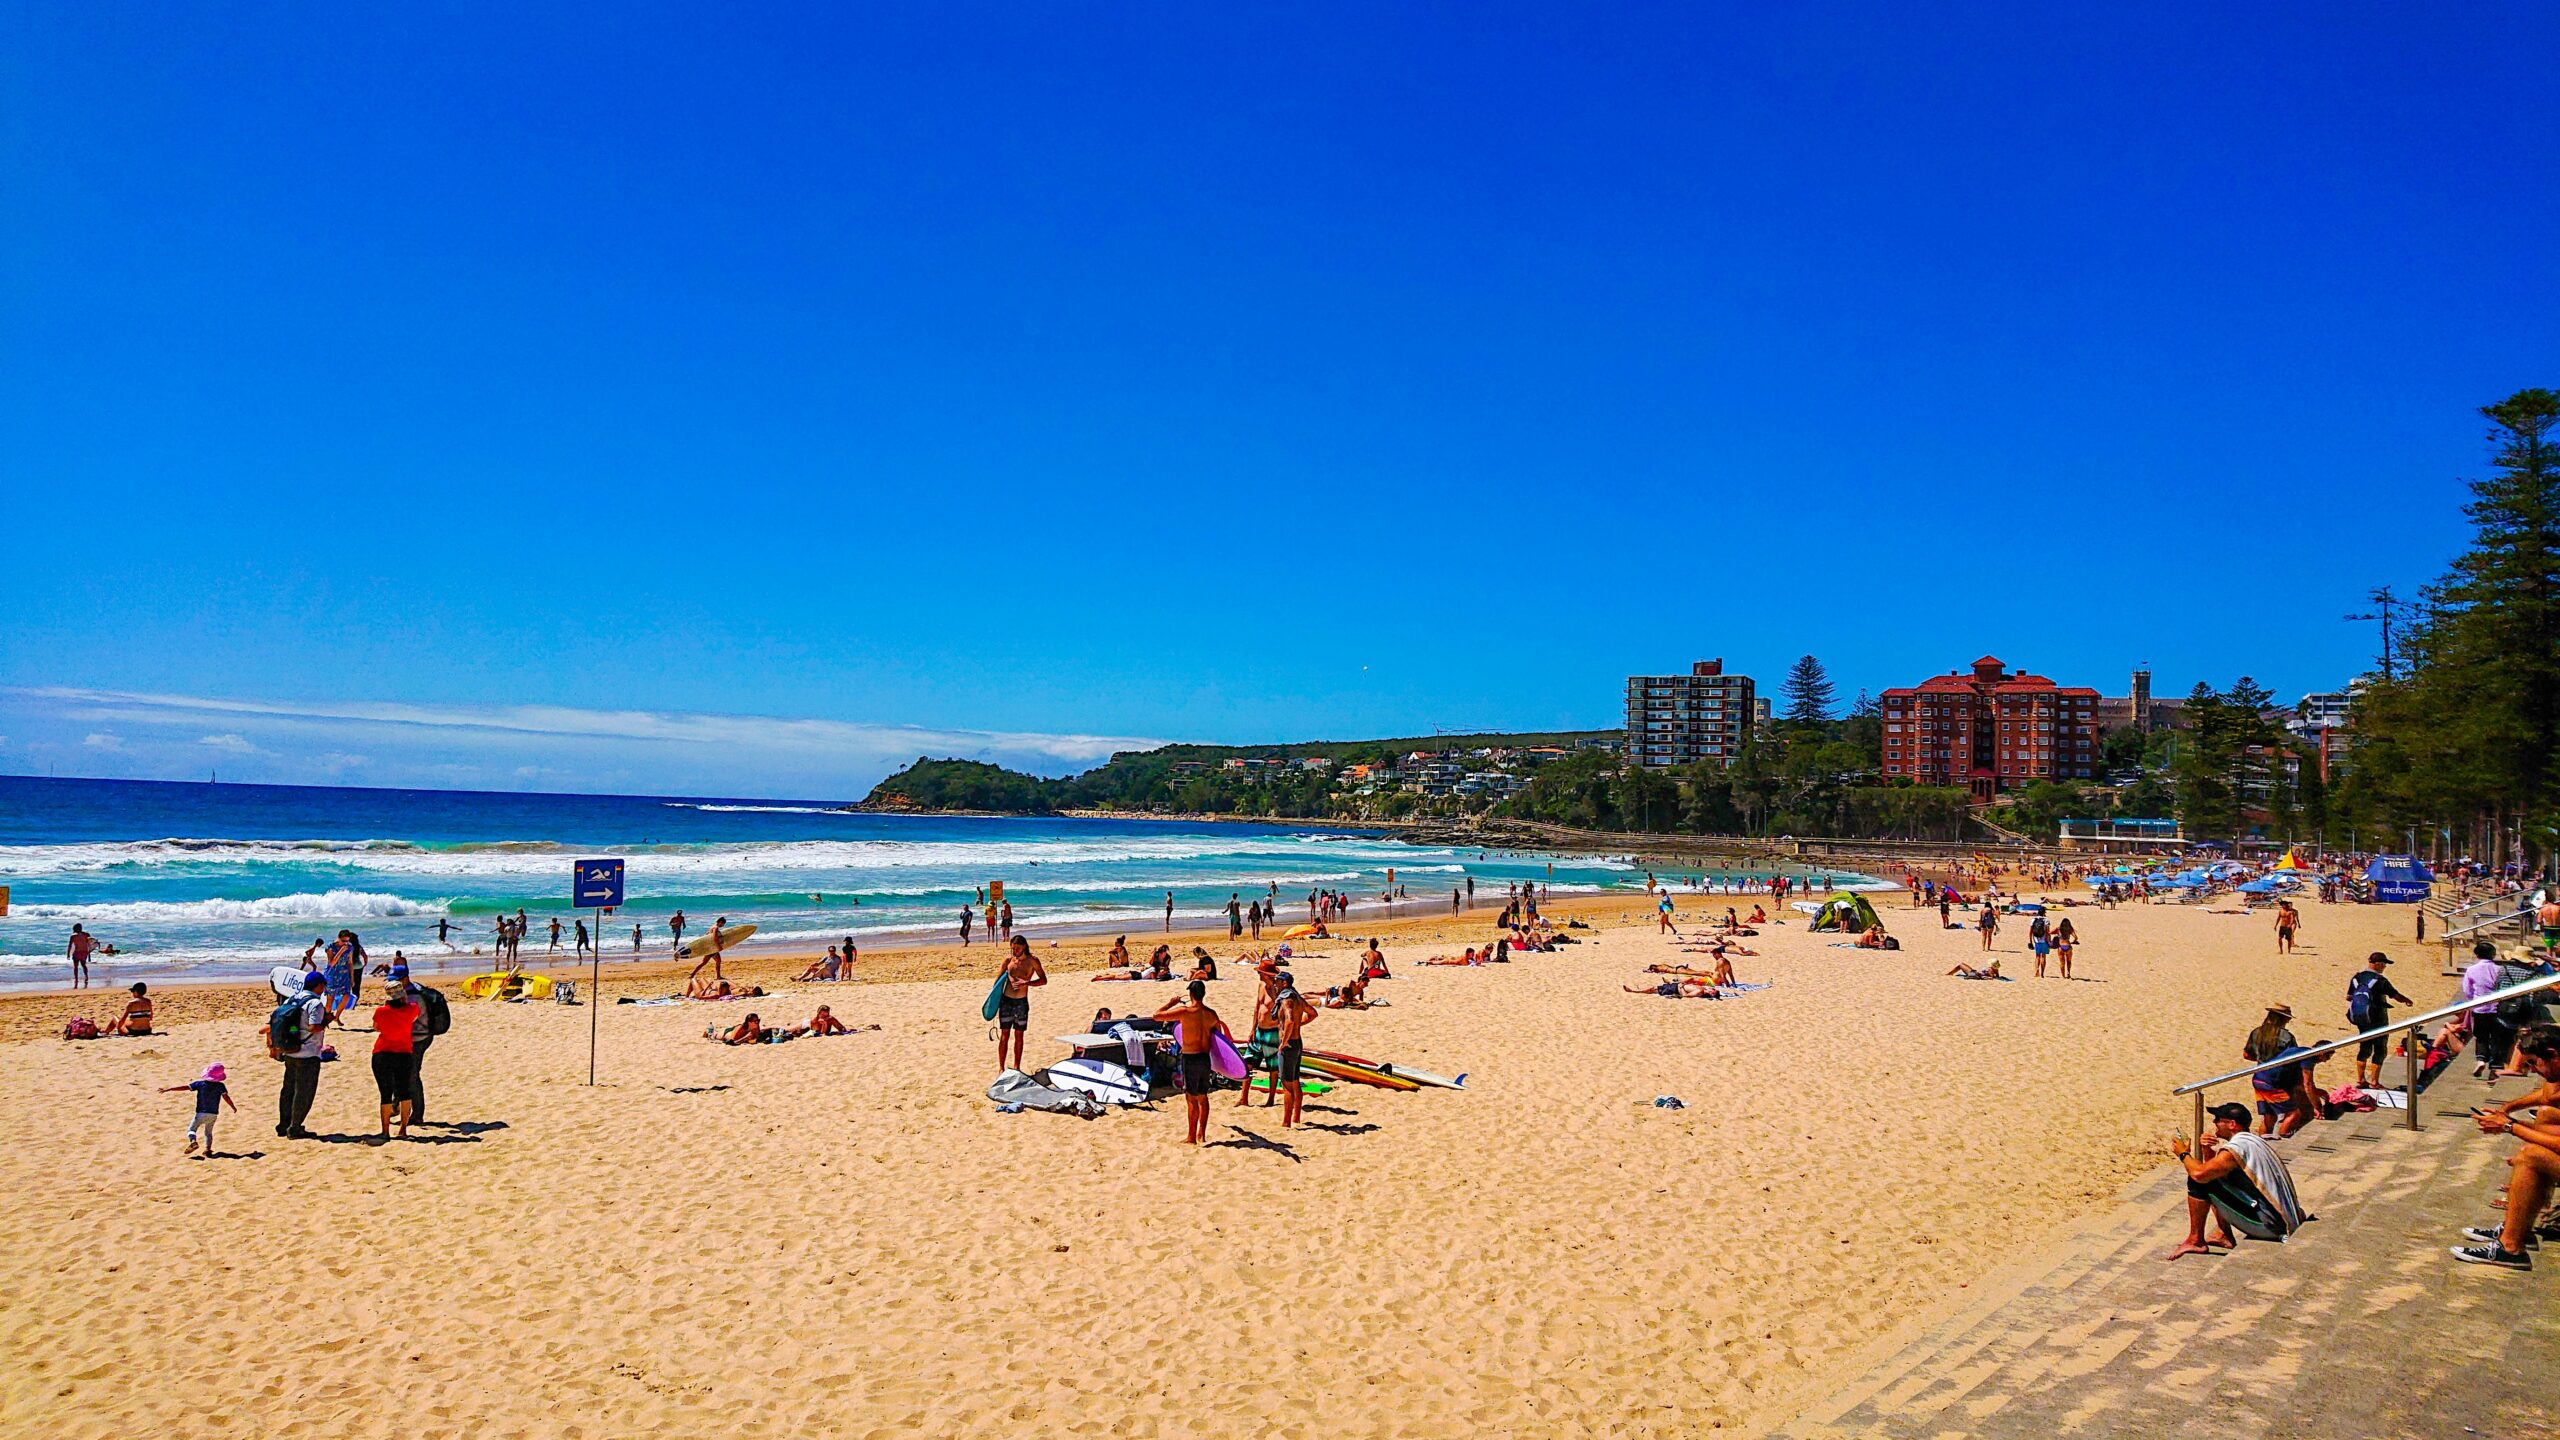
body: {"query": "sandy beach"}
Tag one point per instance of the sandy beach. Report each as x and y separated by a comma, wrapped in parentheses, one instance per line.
(844, 1236)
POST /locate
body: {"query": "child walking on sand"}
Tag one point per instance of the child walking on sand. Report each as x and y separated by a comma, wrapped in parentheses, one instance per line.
(211, 1095)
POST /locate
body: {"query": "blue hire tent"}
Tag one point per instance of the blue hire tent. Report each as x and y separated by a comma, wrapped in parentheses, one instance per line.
(2399, 879)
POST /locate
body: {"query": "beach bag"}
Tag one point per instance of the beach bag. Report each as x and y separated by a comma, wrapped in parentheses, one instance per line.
(80, 1027)
(995, 997)
(2517, 1009)
(439, 1014)
(2360, 999)
(284, 1026)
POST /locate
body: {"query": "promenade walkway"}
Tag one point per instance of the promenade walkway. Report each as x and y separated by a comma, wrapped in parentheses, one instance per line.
(2361, 1326)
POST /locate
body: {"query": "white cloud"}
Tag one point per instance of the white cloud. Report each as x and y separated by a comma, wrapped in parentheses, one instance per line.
(512, 746)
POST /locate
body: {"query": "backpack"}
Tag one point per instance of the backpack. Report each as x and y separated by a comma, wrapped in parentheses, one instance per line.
(284, 1026)
(439, 1014)
(2360, 999)
(2517, 1009)
(80, 1027)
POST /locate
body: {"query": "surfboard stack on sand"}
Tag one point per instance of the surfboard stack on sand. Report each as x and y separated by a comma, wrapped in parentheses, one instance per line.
(1132, 1065)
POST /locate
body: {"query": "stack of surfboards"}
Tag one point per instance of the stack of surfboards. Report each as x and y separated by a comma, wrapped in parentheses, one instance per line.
(1099, 1069)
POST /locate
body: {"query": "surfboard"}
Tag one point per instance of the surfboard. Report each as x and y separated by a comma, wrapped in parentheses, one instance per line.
(1425, 1077)
(286, 981)
(1311, 1087)
(1358, 1074)
(699, 947)
(995, 997)
(1223, 1057)
(1104, 1081)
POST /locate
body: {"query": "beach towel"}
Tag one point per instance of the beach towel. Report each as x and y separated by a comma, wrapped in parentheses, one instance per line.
(1014, 1090)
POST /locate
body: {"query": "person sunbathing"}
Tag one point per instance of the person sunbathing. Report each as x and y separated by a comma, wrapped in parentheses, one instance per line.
(1874, 938)
(749, 1031)
(1470, 958)
(1132, 973)
(825, 1023)
(1675, 989)
(1758, 916)
(136, 1019)
(1963, 971)
(1204, 966)
(708, 990)
(826, 969)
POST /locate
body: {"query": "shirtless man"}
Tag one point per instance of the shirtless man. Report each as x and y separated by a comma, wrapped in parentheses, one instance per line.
(82, 946)
(1022, 970)
(2288, 920)
(1292, 1011)
(1193, 1023)
(1265, 1046)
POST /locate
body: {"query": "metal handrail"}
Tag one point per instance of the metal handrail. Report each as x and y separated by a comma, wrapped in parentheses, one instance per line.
(2418, 1021)
(2476, 927)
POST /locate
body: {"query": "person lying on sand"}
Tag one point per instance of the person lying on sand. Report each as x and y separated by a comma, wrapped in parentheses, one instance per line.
(1676, 990)
(1354, 996)
(1721, 975)
(1967, 972)
(1874, 938)
(749, 1031)
(825, 1023)
(1470, 958)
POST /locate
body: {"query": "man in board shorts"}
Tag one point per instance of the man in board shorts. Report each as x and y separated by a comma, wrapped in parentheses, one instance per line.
(1264, 1049)
(1022, 970)
(1193, 1023)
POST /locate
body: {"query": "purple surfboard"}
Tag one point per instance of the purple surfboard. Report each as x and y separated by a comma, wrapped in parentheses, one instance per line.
(1224, 1059)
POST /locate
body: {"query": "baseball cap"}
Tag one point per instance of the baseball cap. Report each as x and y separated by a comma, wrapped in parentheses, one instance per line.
(2235, 1112)
(399, 972)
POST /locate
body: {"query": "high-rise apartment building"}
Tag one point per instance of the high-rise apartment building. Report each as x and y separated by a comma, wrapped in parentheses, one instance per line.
(1677, 720)
(1990, 729)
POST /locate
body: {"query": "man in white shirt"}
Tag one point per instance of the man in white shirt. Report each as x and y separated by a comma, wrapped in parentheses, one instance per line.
(301, 1059)
(2235, 1177)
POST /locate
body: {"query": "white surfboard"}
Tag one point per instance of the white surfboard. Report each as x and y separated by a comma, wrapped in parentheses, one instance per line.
(1425, 1077)
(286, 981)
(699, 947)
(1104, 1081)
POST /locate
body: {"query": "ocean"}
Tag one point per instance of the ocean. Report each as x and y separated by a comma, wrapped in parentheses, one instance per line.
(205, 881)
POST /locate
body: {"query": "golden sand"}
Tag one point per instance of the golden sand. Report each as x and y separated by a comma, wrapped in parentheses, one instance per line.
(843, 1237)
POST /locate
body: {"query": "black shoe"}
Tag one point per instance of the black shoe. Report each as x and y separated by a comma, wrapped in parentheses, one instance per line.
(299, 1134)
(284, 1133)
(2491, 1235)
(2491, 1254)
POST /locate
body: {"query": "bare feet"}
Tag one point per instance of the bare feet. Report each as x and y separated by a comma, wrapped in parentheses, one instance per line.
(2222, 1242)
(2187, 1248)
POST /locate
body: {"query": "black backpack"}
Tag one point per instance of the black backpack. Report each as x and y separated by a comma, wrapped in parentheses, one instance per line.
(2360, 998)
(439, 1014)
(2517, 1009)
(284, 1026)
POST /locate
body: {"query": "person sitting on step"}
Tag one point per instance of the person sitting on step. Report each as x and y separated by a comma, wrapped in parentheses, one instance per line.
(2239, 1179)
(2534, 1170)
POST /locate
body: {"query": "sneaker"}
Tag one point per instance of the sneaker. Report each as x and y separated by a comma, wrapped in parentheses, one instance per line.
(2487, 1235)
(2490, 1254)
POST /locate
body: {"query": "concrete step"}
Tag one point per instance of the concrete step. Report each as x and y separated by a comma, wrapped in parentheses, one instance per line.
(2361, 1325)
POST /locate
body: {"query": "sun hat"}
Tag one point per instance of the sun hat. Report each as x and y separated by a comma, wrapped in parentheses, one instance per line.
(213, 1071)
(2284, 1010)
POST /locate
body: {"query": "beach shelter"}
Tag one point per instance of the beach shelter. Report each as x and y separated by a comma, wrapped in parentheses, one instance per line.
(2288, 862)
(1845, 912)
(2398, 879)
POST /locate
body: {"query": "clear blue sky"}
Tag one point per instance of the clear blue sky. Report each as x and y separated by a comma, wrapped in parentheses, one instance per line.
(1215, 372)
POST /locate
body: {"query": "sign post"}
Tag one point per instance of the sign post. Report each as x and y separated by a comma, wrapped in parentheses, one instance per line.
(595, 885)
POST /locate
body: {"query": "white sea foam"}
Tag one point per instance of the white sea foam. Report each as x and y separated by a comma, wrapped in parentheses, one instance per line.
(753, 809)
(327, 905)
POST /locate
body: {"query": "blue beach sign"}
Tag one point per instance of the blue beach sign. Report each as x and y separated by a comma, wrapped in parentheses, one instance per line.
(596, 885)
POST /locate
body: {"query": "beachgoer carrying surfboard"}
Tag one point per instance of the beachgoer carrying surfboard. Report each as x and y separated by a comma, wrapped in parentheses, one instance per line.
(1193, 1024)
(1022, 970)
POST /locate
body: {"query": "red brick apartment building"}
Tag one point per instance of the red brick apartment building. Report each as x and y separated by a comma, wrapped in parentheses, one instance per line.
(1990, 729)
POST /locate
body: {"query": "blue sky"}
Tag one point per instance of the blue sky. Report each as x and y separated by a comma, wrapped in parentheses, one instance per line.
(980, 374)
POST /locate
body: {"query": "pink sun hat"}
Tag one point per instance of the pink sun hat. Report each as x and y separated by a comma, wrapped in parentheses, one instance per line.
(213, 1072)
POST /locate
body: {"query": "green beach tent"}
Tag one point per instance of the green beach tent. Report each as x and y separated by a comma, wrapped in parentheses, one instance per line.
(1847, 913)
